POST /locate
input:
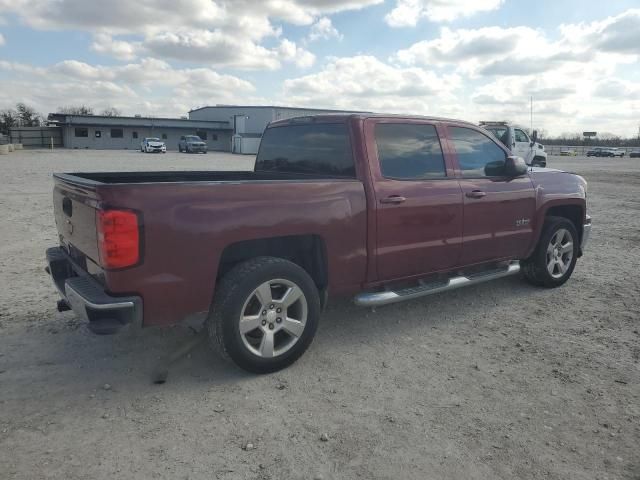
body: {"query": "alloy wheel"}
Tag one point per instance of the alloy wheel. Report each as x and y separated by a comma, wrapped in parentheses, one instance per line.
(559, 253)
(273, 318)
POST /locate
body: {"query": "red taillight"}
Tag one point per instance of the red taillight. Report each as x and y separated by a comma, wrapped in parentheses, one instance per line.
(118, 238)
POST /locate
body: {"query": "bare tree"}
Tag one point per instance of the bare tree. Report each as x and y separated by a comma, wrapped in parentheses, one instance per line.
(27, 116)
(608, 136)
(110, 112)
(76, 110)
(8, 119)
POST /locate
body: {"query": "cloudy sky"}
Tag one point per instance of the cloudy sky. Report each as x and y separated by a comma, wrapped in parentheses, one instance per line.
(469, 59)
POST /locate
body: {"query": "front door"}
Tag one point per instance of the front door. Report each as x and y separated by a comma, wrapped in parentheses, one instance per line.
(418, 199)
(498, 211)
(522, 146)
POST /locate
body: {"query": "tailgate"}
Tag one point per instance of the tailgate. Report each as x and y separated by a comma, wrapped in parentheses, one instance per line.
(74, 207)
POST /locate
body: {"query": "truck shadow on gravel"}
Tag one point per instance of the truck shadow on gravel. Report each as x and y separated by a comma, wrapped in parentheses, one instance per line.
(76, 356)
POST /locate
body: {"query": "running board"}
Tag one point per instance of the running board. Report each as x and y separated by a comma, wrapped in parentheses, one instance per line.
(376, 299)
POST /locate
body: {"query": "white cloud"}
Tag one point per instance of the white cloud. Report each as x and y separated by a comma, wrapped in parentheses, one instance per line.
(106, 45)
(151, 86)
(2, 41)
(248, 17)
(472, 48)
(323, 29)
(568, 99)
(619, 34)
(366, 83)
(514, 51)
(407, 13)
(290, 52)
(221, 33)
(616, 89)
(214, 48)
(221, 50)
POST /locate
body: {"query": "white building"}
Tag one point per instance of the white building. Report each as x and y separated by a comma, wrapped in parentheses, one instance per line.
(229, 128)
(100, 132)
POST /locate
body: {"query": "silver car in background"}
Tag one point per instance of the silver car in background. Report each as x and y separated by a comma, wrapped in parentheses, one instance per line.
(153, 145)
(192, 144)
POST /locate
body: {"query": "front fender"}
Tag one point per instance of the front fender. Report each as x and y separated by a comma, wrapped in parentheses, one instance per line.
(558, 193)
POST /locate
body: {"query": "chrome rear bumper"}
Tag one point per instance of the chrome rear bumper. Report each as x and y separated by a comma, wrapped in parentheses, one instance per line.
(87, 298)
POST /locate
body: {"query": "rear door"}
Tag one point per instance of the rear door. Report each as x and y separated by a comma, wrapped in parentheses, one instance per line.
(498, 211)
(418, 199)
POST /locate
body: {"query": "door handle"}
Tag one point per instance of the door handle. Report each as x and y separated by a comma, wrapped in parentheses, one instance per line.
(476, 194)
(393, 199)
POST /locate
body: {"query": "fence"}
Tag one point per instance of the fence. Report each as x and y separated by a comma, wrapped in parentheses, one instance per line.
(580, 149)
(36, 136)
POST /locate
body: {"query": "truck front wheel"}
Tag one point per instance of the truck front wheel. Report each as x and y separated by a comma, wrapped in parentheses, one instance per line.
(539, 162)
(555, 256)
(264, 314)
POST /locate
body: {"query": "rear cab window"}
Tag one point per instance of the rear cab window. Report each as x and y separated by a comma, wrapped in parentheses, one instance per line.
(309, 149)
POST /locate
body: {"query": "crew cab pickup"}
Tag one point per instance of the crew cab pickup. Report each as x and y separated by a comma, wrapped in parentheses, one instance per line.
(381, 208)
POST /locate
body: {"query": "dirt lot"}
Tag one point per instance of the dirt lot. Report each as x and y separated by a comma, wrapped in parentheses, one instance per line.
(501, 380)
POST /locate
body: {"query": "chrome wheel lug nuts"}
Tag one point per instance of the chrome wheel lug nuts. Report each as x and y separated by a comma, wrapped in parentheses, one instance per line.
(271, 306)
(271, 326)
(278, 310)
(264, 322)
(264, 312)
(279, 320)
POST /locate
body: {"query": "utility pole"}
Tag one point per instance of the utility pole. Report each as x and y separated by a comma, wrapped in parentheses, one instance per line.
(531, 131)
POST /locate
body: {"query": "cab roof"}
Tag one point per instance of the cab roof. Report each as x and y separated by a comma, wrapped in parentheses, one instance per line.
(344, 117)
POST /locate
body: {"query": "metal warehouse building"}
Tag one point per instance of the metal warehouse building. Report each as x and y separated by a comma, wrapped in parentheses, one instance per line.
(249, 121)
(229, 128)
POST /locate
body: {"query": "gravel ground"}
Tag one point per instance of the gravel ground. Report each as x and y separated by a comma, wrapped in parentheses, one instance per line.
(501, 380)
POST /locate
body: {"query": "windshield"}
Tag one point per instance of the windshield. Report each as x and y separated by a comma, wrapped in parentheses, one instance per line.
(501, 133)
(193, 138)
(153, 139)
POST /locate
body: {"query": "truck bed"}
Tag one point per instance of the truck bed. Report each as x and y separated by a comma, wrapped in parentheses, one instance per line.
(183, 176)
(188, 219)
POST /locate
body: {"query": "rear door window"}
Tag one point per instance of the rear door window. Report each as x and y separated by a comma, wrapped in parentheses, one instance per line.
(314, 149)
(409, 151)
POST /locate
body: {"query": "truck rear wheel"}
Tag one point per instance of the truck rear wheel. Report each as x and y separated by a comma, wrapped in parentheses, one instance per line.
(264, 314)
(555, 256)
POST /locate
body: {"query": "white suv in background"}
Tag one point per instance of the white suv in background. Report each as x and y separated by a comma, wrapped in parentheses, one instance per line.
(517, 140)
(617, 152)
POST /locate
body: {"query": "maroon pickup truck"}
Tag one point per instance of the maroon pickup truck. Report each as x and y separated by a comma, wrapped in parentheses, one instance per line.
(382, 208)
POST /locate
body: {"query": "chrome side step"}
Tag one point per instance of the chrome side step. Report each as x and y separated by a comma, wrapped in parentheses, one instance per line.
(375, 299)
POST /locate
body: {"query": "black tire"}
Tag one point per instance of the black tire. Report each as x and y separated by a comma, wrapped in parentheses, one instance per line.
(235, 289)
(180, 148)
(539, 161)
(535, 269)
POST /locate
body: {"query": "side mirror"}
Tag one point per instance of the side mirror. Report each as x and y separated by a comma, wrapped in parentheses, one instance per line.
(515, 167)
(534, 137)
